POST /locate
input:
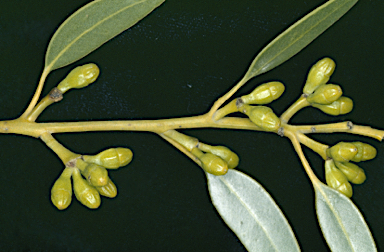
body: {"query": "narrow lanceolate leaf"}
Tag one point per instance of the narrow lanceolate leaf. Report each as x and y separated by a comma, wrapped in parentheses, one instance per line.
(93, 25)
(298, 36)
(251, 213)
(341, 222)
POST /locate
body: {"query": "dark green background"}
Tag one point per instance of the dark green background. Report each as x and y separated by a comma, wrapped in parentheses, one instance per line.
(174, 63)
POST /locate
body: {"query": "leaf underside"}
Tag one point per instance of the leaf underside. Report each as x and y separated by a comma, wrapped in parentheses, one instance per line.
(251, 213)
(341, 222)
(93, 25)
(298, 36)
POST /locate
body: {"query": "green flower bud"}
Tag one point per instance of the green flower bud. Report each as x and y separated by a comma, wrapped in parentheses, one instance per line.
(213, 164)
(96, 175)
(79, 77)
(109, 190)
(342, 152)
(262, 116)
(84, 192)
(319, 75)
(353, 173)
(341, 106)
(364, 152)
(265, 93)
(112, 158)
(325, 94)
(336, 179)
(61, 193)
(223, 152)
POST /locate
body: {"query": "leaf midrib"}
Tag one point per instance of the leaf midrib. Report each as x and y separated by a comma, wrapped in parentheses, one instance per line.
(88, 30)
(249, 210)
(290, 28)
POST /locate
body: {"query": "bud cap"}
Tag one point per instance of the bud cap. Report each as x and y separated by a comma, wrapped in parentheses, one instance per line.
(84, 192)
(336, 179)
(213, 164)
(262, 116)
(325, 94)
(265, 93)
(342, 152)
(319, 75)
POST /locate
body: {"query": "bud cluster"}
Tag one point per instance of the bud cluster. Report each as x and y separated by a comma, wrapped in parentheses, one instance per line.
(90, 178)
(339, 171)
(326, 97)
(216, 159)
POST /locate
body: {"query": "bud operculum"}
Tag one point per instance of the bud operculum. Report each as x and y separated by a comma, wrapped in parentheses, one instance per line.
(364, 152)
(353, 173)
(325, 94)
(61, 193)
(341, 106)
(336, 179)
(264, 94)
(84, 192)
(262, 116)
(342, 152)
(319, 75)
(79, 77)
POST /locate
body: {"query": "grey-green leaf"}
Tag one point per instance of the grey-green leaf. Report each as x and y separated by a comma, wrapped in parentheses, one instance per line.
(251, 213)
(341, 222)
(93, 25)
(298, 36)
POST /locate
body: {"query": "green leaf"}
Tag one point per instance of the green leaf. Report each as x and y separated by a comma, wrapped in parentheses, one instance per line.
(298, 36)
(93, 25)
(341, 222)
(251, 213)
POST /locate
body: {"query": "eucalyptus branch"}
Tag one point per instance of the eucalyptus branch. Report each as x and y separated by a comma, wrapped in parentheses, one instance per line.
(294, 108)
(296, 144)
(232, 191)
(344, 127)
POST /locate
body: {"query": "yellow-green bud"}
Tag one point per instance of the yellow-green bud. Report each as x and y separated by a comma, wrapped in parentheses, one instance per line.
(341, 106)
(265, 93)
(353, 173)
(325, 94)
(213, 164)
(342, 152)
(61, 193)
(109, 190)
(364, 152)
(84, 192)
(223, 152)
(262, 116)
(319, 75)
(79, 77)
(96, 175)
(112, 158)
(336, 179)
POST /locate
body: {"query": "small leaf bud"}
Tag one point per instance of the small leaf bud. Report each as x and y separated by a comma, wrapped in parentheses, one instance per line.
(353, 173)
(319, 75)
(109, 190)
(213, 164)
(342, 152)
(61, 193)
(364, 152)
(112, 158)
(262, 116)
(79, 77)
(96, 175)
(265, 93)
(325, 94)
(341, 106)
(336, 179)
(84, 192)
